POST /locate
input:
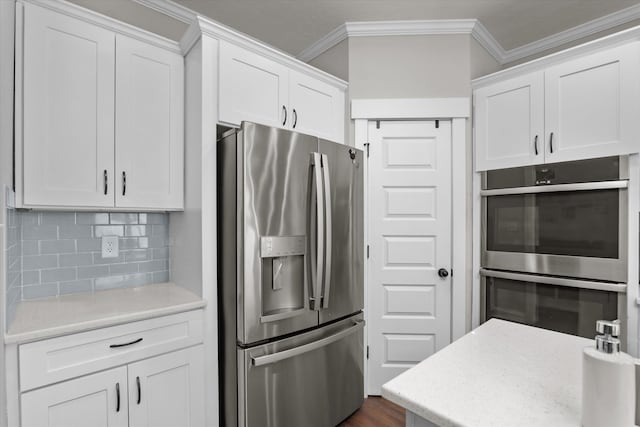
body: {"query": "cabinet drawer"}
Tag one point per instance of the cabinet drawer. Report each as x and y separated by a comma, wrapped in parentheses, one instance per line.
(57, 359)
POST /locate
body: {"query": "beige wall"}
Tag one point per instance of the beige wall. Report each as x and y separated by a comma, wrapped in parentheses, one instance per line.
(335, 60)
(482, 63)
(409, 66)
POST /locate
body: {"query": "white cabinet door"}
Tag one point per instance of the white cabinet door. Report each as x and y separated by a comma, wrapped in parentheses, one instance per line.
(252, 88)
(149, 126)
(316, 107)
(88, 401)
(592, 105)
(68, 111)
(168, 390)
(509, 123)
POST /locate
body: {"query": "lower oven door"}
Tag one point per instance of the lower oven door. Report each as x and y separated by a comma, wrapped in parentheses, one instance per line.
(563, 305)
(314, 379)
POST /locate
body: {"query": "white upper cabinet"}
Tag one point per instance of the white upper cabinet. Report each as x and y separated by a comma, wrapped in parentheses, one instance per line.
(68, 113)
(581, 108)
(99, 120)
(252, 88)
(509, 123)
(258, 89)
(317, 108)
(149, 126)
(593, 105)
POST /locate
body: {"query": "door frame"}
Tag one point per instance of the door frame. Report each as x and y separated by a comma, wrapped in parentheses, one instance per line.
(458, 110)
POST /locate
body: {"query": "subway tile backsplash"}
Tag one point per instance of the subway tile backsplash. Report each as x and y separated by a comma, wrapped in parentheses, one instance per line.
(61, 252)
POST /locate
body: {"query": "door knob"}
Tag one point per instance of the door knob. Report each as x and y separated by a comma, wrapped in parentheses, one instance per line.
(443, 272)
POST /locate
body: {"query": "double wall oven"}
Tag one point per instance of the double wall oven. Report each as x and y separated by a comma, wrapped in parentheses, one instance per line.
(554, 244)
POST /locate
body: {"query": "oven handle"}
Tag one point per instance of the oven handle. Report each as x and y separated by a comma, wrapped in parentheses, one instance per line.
(572, 283)
(581, 186)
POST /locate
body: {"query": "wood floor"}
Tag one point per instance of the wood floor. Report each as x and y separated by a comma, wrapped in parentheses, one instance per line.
(376, 412)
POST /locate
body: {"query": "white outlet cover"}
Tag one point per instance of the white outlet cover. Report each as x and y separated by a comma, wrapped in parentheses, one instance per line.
(110, 247)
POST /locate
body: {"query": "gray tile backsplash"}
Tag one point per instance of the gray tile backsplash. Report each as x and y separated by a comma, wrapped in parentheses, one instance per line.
(14, 262)
(57, 253)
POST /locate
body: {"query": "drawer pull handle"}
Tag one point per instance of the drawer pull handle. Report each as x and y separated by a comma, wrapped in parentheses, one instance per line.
(117, 397)
(139, 390)
(126, 344)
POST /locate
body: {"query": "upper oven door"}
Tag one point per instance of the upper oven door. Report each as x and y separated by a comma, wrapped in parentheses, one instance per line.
(573, 230)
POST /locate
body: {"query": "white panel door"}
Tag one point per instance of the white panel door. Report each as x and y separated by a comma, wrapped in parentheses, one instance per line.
(98, 400)
(509, 123)
(592, 105)
(252, 88)
(149, 126)
(68, 111)
(410, 240)
(168, 390)
(316, 107)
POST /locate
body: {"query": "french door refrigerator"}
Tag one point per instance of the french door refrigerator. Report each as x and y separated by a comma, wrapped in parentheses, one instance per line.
(290, 260)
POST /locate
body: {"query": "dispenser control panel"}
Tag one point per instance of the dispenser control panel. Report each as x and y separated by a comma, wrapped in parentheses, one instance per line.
(281, 246)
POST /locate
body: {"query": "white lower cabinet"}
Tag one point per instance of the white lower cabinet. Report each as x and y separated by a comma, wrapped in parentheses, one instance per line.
(166, 390)
(98, 400)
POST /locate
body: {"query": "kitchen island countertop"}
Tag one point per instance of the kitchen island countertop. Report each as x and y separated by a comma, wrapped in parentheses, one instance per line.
(500, 374)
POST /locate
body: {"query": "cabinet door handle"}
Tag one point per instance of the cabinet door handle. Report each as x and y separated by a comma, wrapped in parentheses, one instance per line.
(535, 144)
(295, 118)
(139, 390)
(284, 109)
(551, 142)
(117, 397)
(124, 183)
(106, 185)
(126, 344)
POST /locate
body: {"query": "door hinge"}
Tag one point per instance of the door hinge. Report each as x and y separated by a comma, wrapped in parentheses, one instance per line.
(367, 146)
(437, 124)
(377, 124)
(367, 352)
(367, 251)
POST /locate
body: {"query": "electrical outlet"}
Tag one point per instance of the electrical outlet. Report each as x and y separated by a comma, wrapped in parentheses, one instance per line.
(109, 246)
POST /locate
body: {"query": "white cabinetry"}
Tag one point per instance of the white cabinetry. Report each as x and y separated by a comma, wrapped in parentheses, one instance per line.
(147, 376)
(592, 105)
(149, 126)
(581, 108)
(96, 106)
(95, 400)
(252, 88)
(261, 90)
(68, 110)
(168, 390)
(510, 123)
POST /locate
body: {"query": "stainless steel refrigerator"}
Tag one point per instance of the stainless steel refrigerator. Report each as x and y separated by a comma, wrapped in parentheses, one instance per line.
(290, 260)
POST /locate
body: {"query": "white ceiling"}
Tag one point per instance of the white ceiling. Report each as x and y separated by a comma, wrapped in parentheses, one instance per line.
(293, 25)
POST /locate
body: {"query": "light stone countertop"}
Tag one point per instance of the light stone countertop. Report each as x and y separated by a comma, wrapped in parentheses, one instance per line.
(500, 374)
(67, 314)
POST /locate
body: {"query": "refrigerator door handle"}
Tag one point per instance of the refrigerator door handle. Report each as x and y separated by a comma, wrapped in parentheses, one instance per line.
(329, 231)
(305, 348)
(316, 281)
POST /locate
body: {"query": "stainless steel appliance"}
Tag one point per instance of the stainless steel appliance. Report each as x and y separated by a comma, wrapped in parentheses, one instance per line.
(564, 219)
(554, 244)
(556, 303)
(290, 221)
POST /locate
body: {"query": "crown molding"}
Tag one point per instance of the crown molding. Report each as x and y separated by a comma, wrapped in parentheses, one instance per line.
(108, 23)
(169, 8)
(207, 27)
(572, 34)
(404, 28)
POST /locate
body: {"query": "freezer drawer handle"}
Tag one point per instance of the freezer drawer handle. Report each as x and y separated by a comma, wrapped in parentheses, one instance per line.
(297, 351)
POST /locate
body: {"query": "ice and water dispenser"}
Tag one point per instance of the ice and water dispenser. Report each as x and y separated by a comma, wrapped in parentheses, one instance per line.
(284, 293)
